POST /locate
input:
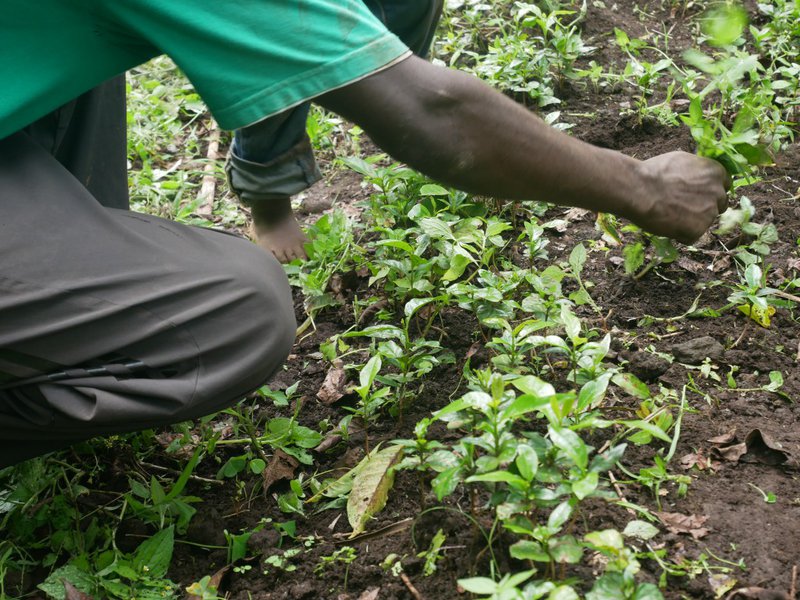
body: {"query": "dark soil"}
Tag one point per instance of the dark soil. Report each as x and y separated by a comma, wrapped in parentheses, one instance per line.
(742, 528)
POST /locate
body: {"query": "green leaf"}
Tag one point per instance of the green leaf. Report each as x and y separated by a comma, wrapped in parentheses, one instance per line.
(609, 539)
(413, 305)
(572, 324)
(586, 486)
(592, 393)
(634, 257)
(436, 228)
(368, 373)
(529, 550)
(632, 385)
(500, 477)
(641, 530)
(371, 487)
(478, 585)
(647, 591)
(257, 466)
(559, 516)
(523, 405)
(565, 549)
(446, 482)
(154, 555)
(563, 592)
(572, 445)
(458, 264)
(527, 461)
(53, 586)
(577, 258)
(610, 586)
(724, 24)
(529, 384)
(650, 428)
(431, 189)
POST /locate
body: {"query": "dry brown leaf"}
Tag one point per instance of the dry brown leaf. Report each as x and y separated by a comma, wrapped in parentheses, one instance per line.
(731, 453)
(689, 524)
(333, 388)
(793, 263)
(473, 350)
(764, 449)
(725, 438)
(371, 594)
(697, 460)
(575, 214)
(721, 263)
(757, 593)
(757, 447)
(73, 593)
(693, 266)
(281, 466)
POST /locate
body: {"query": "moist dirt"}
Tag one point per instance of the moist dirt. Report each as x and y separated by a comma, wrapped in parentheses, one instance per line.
(742, 528)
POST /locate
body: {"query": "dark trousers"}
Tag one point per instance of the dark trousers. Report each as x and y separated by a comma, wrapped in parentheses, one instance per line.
(112, 321)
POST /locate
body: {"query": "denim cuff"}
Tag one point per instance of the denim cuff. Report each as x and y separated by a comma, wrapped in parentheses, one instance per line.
(287, 175)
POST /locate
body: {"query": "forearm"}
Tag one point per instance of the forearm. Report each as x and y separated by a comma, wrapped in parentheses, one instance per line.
(457, 130)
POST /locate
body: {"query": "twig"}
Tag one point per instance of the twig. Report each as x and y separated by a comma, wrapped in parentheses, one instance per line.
(176, 472)
(208, 188)
(741, 336)
(619, 492)
(793, 588)
(786, 296)
(414, 591)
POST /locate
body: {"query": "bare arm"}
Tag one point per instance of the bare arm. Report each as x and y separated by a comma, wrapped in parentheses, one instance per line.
(459, 131)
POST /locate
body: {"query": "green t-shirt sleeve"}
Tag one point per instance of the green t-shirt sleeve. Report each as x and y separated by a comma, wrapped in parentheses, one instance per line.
(249, 59)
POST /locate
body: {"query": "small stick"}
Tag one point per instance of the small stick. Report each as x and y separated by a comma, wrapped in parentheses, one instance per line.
(176, 472)
(793, 589)
(209, 186)
(619, 492)
(741, 336)
(786, 295)
(414, 591)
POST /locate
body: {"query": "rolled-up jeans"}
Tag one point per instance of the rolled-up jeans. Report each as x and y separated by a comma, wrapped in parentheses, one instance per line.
(273, 159)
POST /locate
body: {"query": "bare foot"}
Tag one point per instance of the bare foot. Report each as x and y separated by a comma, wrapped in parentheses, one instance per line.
(278, 231)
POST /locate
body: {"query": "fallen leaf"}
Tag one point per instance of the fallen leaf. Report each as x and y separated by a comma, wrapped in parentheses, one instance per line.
(371, 594)
(575, 214)
(757, 447)
(720, 263)
(73, 593)
(764, 449)
(333, 387)
(473, 350)
(696, 459)
(371, 486)
(731, 453)
(725, 438)
(693, 266)
(281, 466)
(689, 524)
(721, 583)
(757, 593)
(793, 263)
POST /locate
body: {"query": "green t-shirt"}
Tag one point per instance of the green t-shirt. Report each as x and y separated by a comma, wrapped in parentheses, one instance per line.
(248, 59)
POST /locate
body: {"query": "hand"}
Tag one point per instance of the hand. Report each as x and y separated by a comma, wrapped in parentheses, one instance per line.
(681, 196)
(278, 231)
